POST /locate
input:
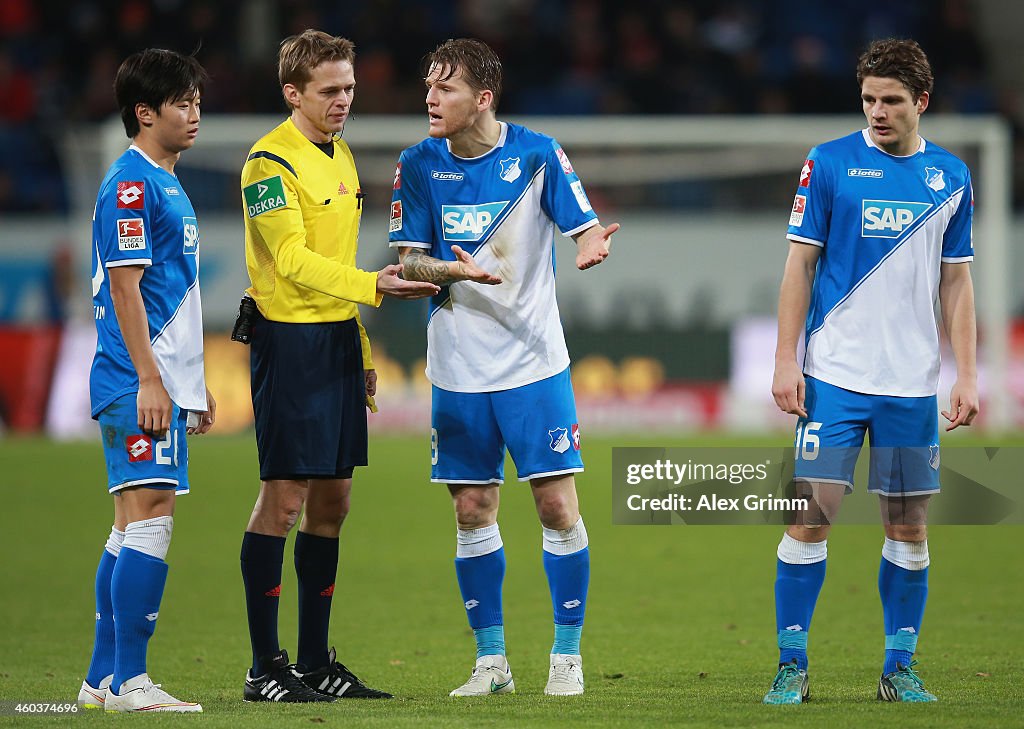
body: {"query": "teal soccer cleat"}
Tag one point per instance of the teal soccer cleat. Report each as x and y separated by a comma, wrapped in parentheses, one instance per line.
(789, 687)
(903, 685)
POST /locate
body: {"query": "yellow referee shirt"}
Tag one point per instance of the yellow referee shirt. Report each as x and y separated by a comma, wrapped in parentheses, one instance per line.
(302, 211)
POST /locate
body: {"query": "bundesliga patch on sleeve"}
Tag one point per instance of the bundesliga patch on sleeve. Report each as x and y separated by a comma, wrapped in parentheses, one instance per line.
(796, 217)
(131, 195)
(131, 234)
(396, 217)
(264, 196)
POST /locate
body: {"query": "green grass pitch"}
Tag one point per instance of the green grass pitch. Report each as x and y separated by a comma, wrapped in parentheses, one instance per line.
(680, 622)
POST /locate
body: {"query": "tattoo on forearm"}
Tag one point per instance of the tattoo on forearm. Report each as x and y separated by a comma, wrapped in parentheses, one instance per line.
(421, 267)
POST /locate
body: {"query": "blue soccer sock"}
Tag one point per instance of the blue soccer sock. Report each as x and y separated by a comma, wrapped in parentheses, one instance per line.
(136, 588)
(567, 564)
(316, 565)
(102, 663)
(903, 587)
(480, 569)
(262, 561)
(800, 573)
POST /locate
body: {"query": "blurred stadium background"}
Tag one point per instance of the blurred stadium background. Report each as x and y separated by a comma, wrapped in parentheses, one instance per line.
(688, 122)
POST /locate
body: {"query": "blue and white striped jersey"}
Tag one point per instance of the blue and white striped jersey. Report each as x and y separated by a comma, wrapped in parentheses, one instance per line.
(885, 225)
(502, 207)
(143, 217)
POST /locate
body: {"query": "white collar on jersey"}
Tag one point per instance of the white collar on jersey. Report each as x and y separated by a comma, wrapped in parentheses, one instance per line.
(866, 133)
(144, 155)
(500, 143)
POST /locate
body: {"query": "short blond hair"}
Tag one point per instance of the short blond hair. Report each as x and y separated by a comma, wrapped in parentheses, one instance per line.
(301, 53)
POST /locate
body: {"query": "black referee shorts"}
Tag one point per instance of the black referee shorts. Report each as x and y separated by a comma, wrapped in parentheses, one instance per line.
(309, 399)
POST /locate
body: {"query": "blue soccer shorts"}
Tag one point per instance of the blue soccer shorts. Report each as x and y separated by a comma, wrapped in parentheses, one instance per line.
(536, 422)
(903, 435)
(135, 458)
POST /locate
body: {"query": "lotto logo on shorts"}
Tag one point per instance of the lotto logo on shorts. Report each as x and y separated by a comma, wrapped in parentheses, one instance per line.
(576, 436)
(131, 234)
(140, 448)
(131, 195)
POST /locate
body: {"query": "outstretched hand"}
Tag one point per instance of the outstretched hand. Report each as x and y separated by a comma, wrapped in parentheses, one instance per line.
(594, 245)
(470, 271)
(390, 283)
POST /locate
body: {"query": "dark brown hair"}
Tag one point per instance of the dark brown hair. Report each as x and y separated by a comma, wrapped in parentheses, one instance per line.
(481, 67)
(301, 53)
(898, 58)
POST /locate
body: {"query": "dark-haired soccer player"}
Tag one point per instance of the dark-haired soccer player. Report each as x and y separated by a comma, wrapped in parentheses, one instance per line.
(311, 365)
(147, 382)
(880, 229)
(474, 209)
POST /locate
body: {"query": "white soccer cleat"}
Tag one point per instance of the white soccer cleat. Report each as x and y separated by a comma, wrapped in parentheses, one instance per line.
(141, 694)
(491, 675)
(94, 698)
(566, 675)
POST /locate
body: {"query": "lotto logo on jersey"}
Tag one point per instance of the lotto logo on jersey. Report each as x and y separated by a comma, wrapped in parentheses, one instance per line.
(889, 218)
(563, 159)
(264, 196)
(805, 173)
(131, 195)
(139, 447)
(398, 177)
(191, 228)
(469, 223)
(131, 234)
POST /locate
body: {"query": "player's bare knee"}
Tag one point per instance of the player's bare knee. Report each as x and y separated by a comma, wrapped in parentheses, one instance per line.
(475, 507)
(907, 532)
(807, 533)
(557, 510)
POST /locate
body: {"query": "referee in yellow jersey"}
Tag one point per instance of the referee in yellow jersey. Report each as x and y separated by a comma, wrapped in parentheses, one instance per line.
(312, 373)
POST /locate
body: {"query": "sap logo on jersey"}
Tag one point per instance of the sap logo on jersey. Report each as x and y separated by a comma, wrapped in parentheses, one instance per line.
(469, 222)
(191, 227)
(889, 218)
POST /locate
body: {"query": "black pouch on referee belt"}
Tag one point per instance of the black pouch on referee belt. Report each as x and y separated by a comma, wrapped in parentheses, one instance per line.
(247, 311)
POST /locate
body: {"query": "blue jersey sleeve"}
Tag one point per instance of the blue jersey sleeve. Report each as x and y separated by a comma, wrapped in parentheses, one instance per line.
(563, 198)
(124, 215)
(812, 206)
(410, 221)
(958, 241)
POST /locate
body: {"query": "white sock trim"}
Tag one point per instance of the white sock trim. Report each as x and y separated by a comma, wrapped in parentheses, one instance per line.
(566, 541)
(792, 551)
(150, 536)
(908, 555)
(114, 541)
(478, 542)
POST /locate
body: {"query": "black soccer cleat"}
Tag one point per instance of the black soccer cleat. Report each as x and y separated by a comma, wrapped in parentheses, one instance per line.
(281, 683)
(336, 681)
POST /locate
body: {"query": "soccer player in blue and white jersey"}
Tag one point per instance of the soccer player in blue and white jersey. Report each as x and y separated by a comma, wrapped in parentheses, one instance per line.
(880, 229)
(474, 210)
(147, 382)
